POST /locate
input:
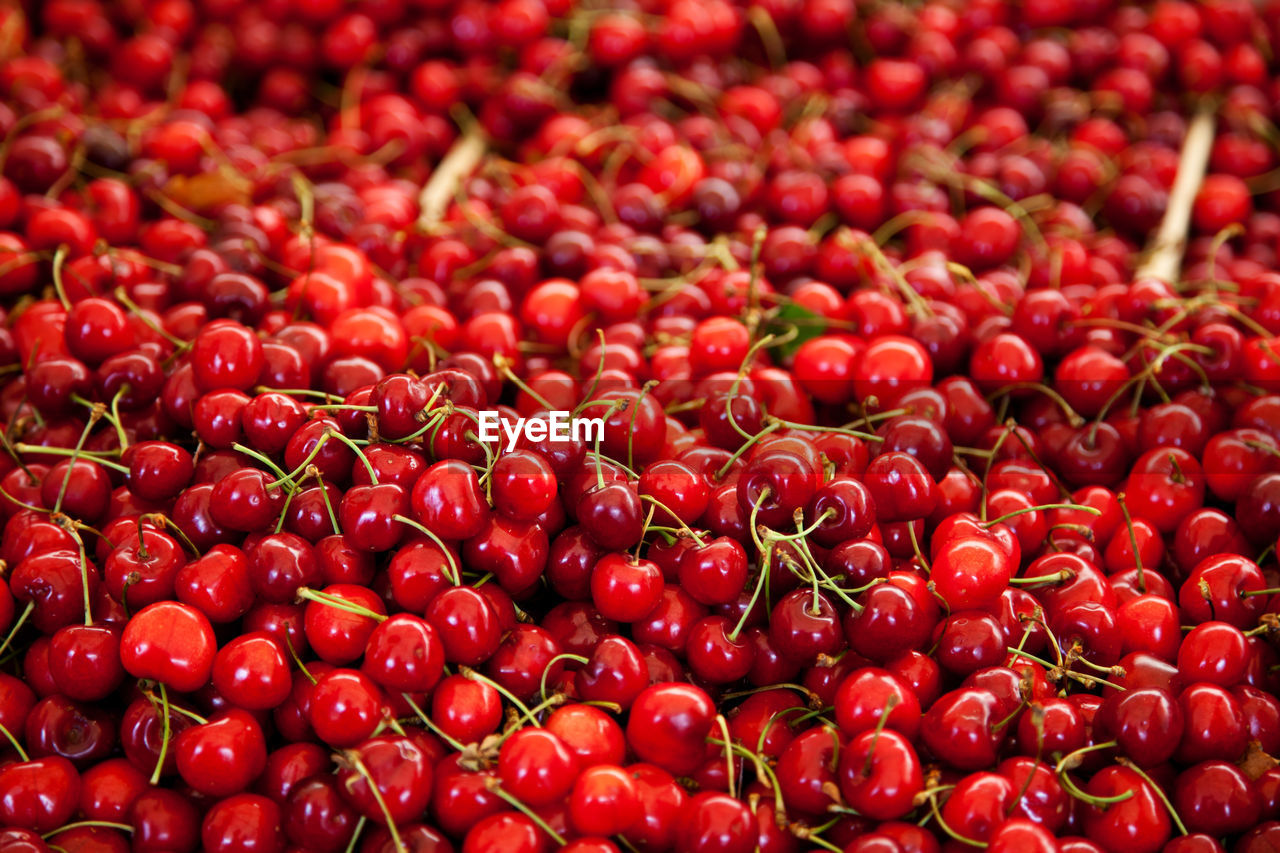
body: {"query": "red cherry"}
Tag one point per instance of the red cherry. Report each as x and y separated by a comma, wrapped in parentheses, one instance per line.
(171, 643)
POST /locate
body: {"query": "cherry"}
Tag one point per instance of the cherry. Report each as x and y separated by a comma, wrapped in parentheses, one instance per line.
(1139, 822)
(369, 516)
(316, 815)
(591, 735)
(171, 643)
(880, 774)
(1215, 726)
(226, 355)
(1213, 652)
(396, 769)
(960, 728)
(870, 693)
(164, 820)
(467, 625)
(252, 672)
(80, 733)
(667, 726)
(243, 820)
(901, 487)
(404, 654)
(223, 756)
(849, 508)
(38, 795)
(216, 584)
(804, 625)
(715, 821)
(447, 499)
(108, 791)
(158, 470)
(464, 709)
(536, 767)
(625, 590)
(507, 831)
(1146, 722)
(339, 622)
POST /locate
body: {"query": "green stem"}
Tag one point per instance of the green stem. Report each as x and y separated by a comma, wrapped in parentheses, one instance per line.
(165, 735)
(339, 604)
(468, 672)
(426, 721)
(455, 574)
(22, 753)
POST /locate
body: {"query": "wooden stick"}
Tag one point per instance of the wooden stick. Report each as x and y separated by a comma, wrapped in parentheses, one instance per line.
(449, 174)
(1165, 249)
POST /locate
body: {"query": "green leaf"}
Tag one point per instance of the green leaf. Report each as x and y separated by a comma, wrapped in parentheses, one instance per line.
(806, 325)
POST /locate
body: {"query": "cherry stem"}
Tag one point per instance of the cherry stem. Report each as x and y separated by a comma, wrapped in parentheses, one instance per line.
(685, 528)
(354, 759)
(755, 513)
(296, 392)
(804, 532)
(503, 364)
(1158, 791)
(67, 451)
(1133, 542)
(22, 618)
(810, 834)
(426, 720)
(1069, 785)
(631, 430)
(468, 672)
(763, 771)
(430, 424)
(1072, 759)
(173, 528)
(765, 559)
(355, 836)
(644, 531)
(284, 508)
(95, 415)
(105, 824)
(995, 449)
(143, 554)
(1248, 593)
(301, 467)
(1075, 656)
(368, 466)
(495, 787)
(937, 815)
(22, 753)
(338, 603)
(84, 583)
(730, 781)
(165, 735)
(302, 667)
(454, 574)
(915, 545)
(626, 469)
(265, 460)
(328, 504)
(122, 297)
(890, 703)
(743, 448)
(865, 436)
(995, 727)
(343, 407)
(1056, 577)
(987, 525)
(546, 670)
(59, 260)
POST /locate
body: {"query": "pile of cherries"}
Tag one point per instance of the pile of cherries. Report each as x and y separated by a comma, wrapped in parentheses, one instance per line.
(918, 517)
